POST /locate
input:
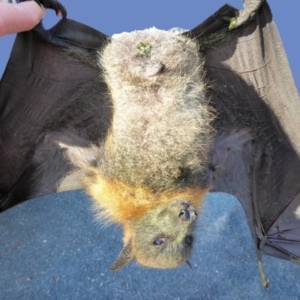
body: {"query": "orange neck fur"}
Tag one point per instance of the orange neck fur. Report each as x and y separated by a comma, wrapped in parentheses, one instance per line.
(123, 203)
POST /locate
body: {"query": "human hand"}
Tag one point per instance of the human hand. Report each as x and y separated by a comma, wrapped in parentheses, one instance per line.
(19, 17)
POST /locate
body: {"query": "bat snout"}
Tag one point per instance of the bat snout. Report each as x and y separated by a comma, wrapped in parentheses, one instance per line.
(187, 213)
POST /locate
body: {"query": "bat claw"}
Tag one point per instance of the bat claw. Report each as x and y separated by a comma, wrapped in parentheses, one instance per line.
(55, 5)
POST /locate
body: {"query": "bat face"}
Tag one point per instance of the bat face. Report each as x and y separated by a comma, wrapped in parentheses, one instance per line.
(162, 238)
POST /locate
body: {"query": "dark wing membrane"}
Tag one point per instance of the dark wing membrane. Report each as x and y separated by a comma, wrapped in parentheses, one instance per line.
(256, 151)
(48, 87)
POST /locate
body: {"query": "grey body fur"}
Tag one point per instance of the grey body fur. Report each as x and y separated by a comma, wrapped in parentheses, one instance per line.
(160, 132)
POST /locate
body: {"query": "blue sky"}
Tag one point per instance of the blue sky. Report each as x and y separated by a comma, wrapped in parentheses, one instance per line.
(116, 16)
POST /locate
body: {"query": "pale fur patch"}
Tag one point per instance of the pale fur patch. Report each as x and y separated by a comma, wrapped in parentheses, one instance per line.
(160, 134)
(72, 181)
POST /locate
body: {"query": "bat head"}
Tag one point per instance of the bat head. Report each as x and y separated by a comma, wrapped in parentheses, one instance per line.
(162, 238)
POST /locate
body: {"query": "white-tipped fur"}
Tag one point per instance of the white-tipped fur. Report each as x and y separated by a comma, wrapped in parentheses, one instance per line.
(161, 129)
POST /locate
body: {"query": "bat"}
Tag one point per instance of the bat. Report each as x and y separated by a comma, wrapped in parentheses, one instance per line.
(58, 131)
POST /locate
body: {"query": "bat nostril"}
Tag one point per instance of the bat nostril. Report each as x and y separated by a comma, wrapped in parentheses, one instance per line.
(184, 215)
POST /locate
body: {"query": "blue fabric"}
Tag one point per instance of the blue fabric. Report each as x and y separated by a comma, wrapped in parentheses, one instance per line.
(53, 248)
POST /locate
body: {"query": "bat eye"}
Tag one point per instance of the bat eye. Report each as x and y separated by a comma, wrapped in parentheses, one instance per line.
(159, 241)
(189, 240)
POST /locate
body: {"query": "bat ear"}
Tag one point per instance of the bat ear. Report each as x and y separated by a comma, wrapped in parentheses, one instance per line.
(189, 264)
(123, 259)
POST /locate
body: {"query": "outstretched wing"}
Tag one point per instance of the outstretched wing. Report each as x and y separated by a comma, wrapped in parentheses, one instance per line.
(256, 152)
(46, 88)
